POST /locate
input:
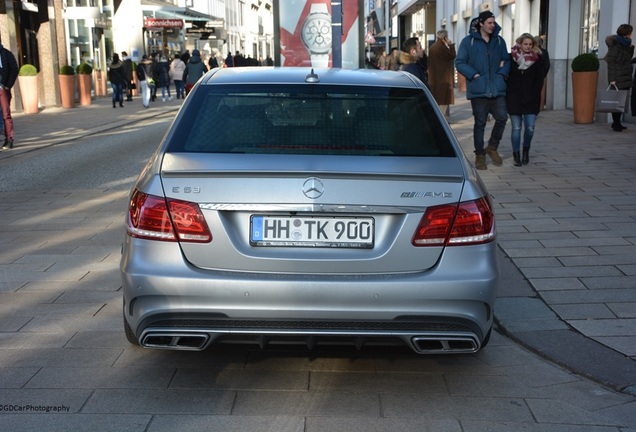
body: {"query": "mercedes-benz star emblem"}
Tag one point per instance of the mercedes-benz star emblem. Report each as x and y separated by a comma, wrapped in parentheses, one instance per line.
(313, 188)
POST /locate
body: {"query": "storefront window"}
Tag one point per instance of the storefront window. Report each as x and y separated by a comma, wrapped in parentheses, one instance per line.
(589, 30)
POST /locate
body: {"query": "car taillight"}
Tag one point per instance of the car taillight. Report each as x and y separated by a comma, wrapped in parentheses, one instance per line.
(466, 223)
(155, 218)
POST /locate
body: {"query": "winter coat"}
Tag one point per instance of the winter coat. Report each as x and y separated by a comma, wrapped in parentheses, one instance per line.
(116, 74)
(619, 66)
(490, 60)
(524, 87)
(195, 69)
(127, 66)
(440, 72)
(413, 65)
(9, 71)
(145, 70)
(162, 73)
(634, 95)
(177, 68)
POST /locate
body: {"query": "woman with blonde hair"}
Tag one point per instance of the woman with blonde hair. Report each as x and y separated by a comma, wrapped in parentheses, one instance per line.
(523, 97)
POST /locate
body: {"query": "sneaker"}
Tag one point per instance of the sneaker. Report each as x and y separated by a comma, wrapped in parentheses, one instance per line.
(480, 162)
(492, 152)
(8, 144)
(163, 99)
(170, 98)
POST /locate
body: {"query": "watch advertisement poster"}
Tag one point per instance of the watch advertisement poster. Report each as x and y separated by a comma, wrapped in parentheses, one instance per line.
(305, 29)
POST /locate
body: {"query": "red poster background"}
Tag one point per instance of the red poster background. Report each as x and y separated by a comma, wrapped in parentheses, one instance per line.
(292, 50)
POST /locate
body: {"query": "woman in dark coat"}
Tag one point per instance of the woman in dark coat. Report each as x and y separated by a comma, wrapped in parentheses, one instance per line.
(619, 65)
(441, 77)
(523, 96)
(117, 79)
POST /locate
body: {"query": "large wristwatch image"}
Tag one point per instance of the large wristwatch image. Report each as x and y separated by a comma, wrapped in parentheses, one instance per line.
(316, 35)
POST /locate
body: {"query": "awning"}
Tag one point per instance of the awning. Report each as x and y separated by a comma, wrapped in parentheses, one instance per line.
(188, 15)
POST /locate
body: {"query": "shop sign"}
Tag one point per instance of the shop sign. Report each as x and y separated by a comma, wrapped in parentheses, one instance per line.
(151, 23)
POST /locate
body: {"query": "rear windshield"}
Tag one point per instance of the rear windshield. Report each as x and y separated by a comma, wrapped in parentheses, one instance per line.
(310, 119)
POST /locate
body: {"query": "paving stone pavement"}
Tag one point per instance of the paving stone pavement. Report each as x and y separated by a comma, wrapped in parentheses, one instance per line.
(566, 229)
(567, 221)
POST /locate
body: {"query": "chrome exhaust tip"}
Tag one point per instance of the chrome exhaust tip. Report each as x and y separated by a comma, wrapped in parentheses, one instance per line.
(446, 344)
(175, 341)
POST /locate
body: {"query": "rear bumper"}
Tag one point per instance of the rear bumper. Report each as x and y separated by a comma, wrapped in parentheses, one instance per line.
(447, 308)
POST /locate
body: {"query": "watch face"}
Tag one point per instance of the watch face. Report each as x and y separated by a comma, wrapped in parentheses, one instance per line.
(316, 33)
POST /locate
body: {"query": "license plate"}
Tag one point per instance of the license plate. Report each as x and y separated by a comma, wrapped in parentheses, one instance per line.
(301, 231)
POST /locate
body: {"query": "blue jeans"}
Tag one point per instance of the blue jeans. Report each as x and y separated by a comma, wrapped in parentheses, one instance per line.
(528, 124)
(481, 108)
(179, 86)
(118, 92)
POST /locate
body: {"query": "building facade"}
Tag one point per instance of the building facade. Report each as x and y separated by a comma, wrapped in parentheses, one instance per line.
(567, 27)
(52, 33)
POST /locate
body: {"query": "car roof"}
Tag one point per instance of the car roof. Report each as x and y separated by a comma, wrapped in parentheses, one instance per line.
(298, 75)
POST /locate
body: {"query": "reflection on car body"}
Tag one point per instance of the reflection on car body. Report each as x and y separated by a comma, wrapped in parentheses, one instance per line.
(281, 209)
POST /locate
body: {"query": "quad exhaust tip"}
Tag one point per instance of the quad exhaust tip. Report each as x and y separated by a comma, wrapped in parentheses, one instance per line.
(445, 344)
(175, 341)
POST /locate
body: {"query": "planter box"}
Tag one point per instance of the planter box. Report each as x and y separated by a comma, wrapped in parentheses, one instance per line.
(584, 96)
(67, 91)
(29, 91)
(84, 83)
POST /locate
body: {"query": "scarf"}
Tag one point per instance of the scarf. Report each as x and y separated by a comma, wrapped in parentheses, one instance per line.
(523, 59)
(623, 40)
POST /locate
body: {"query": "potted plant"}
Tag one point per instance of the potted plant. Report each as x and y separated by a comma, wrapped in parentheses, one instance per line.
(29, 89)
(67, 86)
(85, 76)
(584, 83)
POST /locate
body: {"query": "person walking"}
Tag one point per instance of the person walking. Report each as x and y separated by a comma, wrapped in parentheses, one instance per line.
(194, 70)
(177, 68)
(411, 59)
(212, 61)
(441, 78)
(117, 80)
(229, 60)
(393, 62)
(619, 67)
(145, 78)
(383, 60)
(8, 75)
(523, 96)
(484, 60)
(128, 73)
(162, 76)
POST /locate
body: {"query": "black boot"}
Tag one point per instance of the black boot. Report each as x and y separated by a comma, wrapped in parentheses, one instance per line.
(517, 159)
(121, 104)
(114, 106)
(526, 155)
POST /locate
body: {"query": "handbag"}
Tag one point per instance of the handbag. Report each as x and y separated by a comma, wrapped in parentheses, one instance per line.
(611, 100)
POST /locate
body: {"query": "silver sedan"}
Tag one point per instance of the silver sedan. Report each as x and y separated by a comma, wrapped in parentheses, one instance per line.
(292, 205)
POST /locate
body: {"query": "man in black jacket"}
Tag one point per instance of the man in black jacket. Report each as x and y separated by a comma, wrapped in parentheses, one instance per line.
(128, 73)
(8, 75)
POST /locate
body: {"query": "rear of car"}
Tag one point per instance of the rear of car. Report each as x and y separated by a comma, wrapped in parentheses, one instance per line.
(285, 205)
